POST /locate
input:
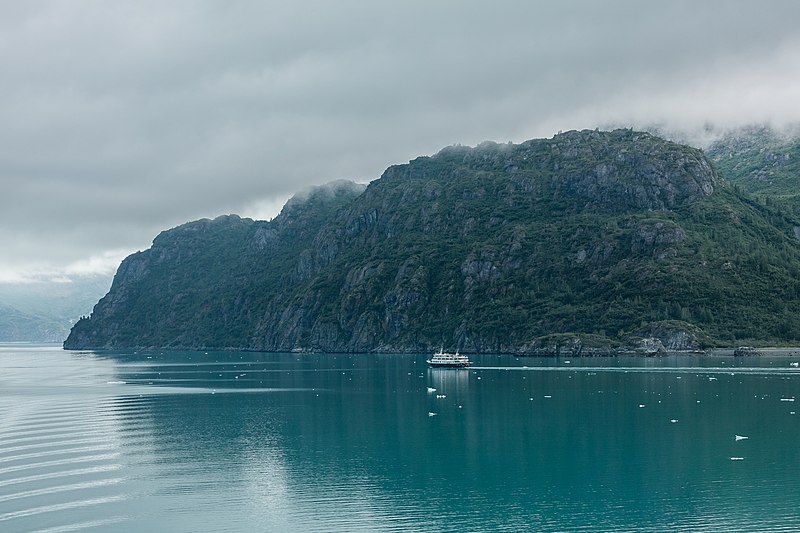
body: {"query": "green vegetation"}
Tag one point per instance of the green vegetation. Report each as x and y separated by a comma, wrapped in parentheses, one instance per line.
(763, 162)
(600, 237)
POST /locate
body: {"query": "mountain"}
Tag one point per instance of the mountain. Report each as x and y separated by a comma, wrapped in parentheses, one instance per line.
(762, 161)
(45, 310)
(587, 241)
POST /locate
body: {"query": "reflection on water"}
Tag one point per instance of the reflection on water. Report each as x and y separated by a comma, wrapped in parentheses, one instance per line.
(291, 442)
(454, 380)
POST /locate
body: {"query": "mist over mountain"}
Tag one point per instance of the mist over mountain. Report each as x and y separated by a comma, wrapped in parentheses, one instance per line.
(44, 310)
(763, 161)
(588, 240)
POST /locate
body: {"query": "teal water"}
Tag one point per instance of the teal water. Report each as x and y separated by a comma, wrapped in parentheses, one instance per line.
(293, 442)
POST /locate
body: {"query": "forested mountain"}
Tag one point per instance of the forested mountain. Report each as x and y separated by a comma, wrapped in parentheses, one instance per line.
(762, 161)
(590, 239)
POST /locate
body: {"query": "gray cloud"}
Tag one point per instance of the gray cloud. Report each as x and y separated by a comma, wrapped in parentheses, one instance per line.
(120, 119)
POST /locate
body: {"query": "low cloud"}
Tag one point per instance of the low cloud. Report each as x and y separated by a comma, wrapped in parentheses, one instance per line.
(121, 119)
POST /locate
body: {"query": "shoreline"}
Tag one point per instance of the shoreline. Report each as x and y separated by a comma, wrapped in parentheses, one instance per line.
(549, 351)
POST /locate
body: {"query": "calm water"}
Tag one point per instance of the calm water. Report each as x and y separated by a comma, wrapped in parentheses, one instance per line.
(287, 442)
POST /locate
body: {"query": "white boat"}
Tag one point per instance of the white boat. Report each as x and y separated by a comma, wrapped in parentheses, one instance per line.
(449, 360)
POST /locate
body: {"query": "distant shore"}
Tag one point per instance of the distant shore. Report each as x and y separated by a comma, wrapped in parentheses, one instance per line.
(555, 352)
(791, 351)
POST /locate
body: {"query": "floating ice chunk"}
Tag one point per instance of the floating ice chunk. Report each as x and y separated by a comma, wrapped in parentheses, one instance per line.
(431, 389)
(740, 437)
(794, 364)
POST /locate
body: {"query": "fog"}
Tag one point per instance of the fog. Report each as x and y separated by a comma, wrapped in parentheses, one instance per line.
(121, 119)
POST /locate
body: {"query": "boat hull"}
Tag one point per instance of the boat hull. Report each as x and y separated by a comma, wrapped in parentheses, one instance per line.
(448, 365)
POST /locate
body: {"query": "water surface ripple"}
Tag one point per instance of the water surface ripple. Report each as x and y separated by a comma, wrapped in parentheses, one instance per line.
(191, 441)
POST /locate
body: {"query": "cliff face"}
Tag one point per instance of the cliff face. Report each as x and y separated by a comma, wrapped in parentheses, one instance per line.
(590, 234)
(206, 282)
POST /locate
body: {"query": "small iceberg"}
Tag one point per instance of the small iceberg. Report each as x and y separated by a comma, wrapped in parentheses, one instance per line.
(740, 437)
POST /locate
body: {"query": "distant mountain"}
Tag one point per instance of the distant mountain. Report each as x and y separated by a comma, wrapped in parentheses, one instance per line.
(44, 311)
(762, 161)
(588, 240)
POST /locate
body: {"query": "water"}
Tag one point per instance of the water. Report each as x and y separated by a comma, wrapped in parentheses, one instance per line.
(290, 442)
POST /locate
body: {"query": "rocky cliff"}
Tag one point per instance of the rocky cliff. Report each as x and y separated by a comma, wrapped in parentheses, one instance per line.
(589, 240)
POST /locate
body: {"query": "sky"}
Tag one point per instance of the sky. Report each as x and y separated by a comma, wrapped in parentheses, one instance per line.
(121, 119)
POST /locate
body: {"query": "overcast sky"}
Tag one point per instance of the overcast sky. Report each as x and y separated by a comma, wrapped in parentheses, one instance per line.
(119, 119)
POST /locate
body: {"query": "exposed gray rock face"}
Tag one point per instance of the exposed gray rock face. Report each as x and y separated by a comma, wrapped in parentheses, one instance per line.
(670, 336)
(650, 346)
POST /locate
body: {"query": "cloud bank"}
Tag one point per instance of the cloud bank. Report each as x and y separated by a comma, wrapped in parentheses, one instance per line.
(121, 119)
